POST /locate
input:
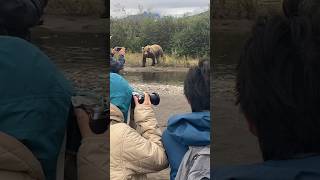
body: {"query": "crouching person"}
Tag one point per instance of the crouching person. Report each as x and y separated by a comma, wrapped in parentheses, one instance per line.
(188, 135)
(133, 153)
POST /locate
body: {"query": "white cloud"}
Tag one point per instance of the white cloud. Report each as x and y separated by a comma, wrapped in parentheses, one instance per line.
(162, 7)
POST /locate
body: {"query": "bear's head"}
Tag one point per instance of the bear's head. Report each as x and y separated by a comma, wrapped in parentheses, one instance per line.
(147, 50)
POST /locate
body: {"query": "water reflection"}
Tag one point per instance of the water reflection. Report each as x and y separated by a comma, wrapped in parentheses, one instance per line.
(80, 56)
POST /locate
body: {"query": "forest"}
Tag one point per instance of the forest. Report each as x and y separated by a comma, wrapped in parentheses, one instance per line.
(186, 36)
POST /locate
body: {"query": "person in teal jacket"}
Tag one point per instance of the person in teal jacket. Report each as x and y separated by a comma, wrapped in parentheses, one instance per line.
(190, 129)
(35, 100)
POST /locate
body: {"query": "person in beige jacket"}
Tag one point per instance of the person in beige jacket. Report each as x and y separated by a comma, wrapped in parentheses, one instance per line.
(17, 162)
(134, 152)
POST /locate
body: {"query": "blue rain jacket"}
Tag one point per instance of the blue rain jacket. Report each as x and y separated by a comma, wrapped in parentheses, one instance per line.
(192, 129)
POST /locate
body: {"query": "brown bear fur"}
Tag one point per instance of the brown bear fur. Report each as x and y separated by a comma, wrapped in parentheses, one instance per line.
(153, 52)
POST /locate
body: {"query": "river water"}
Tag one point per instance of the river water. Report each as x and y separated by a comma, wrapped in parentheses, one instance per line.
(233, 144)
(80, 56)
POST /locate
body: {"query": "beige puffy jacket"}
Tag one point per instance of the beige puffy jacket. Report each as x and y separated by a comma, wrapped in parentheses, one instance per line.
(93, 158)
(134, 153)
(18, 163)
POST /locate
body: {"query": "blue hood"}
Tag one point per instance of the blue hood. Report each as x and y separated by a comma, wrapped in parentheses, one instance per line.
(192, 129)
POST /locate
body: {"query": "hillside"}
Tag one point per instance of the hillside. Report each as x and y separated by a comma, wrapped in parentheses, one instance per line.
(149, 15)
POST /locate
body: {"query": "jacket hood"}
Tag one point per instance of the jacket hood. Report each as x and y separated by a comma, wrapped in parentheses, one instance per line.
(15, 157)
(192, 129)
(120, 93)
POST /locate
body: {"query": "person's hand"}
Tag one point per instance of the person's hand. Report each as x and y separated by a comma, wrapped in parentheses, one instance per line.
(122, 52)
(146, 101)
(113, 51)
(83, 122)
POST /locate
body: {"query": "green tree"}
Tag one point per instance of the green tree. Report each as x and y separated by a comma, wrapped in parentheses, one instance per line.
(194, 39)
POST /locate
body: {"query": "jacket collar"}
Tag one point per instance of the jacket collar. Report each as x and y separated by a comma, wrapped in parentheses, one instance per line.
(116, 115)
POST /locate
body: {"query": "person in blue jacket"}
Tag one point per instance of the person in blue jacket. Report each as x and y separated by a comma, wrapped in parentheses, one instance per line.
(117, 64)
(278, 90)
(190, 129)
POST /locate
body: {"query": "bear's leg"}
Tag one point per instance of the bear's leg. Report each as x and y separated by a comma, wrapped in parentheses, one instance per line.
(153, 61)
(144, 62)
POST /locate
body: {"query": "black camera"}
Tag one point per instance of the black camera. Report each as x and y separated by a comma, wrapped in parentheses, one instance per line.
(99, 121)
(118, 48)
(154, 97)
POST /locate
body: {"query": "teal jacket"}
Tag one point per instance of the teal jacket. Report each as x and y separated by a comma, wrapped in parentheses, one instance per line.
(35, 100)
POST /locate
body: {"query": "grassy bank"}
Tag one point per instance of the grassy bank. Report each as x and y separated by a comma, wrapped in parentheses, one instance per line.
(135, 59)
(75, 7)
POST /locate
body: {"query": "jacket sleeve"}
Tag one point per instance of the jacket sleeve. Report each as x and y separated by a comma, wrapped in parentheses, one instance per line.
(146, 148)
(93, 158)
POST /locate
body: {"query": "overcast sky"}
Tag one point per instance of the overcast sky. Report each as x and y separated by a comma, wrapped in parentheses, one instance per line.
(122, 8)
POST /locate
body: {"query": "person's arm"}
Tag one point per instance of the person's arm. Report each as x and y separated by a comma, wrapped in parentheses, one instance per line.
(146, 147)
(92, 157)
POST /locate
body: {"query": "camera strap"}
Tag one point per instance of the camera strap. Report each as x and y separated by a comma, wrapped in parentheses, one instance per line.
(61, 160)
(130, 119)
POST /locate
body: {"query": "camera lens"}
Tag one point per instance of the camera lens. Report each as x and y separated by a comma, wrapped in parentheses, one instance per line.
(154, 98)
(98, 123)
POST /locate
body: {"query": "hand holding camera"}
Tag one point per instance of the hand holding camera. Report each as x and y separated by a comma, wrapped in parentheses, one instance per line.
(146, 101)
(86, 119)
(120, 50)
(152, 98)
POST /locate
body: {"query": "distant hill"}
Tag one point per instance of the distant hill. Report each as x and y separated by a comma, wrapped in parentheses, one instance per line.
(150, 15)
(201, 15)
(138, 17)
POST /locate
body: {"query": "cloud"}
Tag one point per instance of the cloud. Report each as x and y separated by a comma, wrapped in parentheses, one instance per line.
(163, 7)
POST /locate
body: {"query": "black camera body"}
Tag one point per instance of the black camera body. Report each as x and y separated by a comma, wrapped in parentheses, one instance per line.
(118, 48)
(99, 120)
(154, 97)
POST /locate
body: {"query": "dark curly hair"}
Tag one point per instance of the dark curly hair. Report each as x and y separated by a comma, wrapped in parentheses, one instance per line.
(197, 86)
(278, 84)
